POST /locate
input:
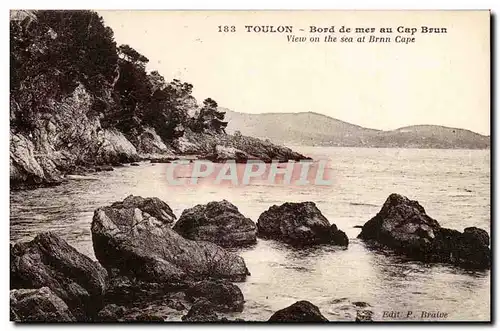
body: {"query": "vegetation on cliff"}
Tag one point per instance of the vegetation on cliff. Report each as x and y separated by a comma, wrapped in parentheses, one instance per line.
(78, 99)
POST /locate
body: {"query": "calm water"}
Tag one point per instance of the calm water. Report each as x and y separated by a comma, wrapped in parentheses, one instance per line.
(452, 185)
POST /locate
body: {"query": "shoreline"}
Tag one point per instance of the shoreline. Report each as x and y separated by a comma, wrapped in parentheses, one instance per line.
(189, 217)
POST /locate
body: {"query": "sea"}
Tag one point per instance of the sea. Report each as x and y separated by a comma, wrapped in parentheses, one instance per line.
(452, 185)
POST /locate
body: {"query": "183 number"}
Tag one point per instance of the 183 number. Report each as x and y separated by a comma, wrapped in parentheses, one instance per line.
(227, 28)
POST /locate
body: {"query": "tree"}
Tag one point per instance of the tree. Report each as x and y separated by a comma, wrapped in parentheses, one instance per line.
(55, 52)
(210, 118)
(157, 81)
(128, 53)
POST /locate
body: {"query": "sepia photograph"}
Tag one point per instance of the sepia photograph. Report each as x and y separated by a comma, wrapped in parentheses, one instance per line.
(273, 166)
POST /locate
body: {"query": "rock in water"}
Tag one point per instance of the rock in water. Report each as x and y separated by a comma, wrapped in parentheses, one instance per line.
(338, 237)
(127, 236)
(217, 222)
(222, 295)
(38, 305)
(477, 234)
(299, 224)
(301, 311)
(50, 261)
(403, 225)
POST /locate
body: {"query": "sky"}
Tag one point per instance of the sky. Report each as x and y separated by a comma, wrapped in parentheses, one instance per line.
(441, 79)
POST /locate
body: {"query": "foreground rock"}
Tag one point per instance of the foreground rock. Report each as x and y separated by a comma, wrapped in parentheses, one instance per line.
(364, 315)
(403, 225)
(152, 310)
(217, 222)
(201, 311)
(301, 311)
(111, 313)
(129, 238)
(221, 294)
(38, 305)
(299, 224)
(50, 261)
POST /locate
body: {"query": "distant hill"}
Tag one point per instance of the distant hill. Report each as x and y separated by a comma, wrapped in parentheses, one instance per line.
(309, 128)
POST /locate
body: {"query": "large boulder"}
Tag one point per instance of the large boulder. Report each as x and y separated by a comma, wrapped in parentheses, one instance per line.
(38, 305)
(299, 224)
(301, 311)
(217, 222)
(140, 246)
(222, 295)
(49, 261)
(402, 224)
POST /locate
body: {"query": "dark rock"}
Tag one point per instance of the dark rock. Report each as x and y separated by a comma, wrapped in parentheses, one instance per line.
(477, 234)
(103, 168)
(201, 311)
(217, 222)
(338, 236)
(403, 225)
(140, 246)
(134, 164)
(111, 313)
(174, 304)
(222, 295)
(126, 289)
(361, 304)
(38, 305)
(163, 160)
(301, 311)
(364, 316)
(149, 318)
(50, 261)
(299, 224)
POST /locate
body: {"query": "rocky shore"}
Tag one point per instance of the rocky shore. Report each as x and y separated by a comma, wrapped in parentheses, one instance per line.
(145, 259)
(107, 110)
(34, 165)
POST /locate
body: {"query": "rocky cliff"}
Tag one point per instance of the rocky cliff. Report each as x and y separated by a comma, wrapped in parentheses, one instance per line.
(78, 101)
